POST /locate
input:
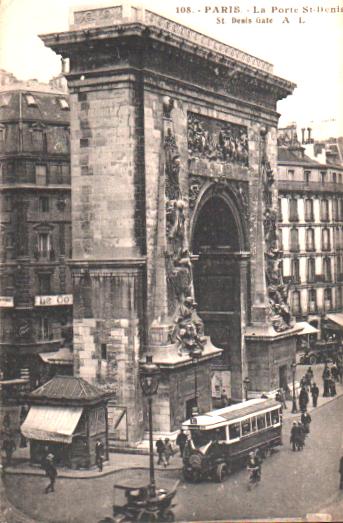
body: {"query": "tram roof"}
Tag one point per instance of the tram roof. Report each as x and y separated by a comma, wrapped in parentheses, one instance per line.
(233, 412)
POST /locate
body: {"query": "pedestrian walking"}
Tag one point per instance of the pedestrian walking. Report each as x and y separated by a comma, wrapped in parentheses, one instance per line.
(301, 436)
(99, 454)
(9, 447)
(160, 452)
(340, 470)
(309, 376)
(334, 372)
(314, 393)
(294, 436)
(332, 387)
(326, 380)
(306, 420)
(168, 451)
(181, 440)
(51, 472)
(303, 399)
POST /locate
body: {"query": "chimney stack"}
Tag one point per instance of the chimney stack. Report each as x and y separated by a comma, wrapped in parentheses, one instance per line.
(309, 140)
(303, 136)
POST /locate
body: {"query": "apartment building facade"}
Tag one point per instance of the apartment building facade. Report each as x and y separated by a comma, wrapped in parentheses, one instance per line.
(35, 286)
(310, 208)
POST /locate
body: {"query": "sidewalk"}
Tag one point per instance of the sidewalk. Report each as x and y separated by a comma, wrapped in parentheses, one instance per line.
(121, 461)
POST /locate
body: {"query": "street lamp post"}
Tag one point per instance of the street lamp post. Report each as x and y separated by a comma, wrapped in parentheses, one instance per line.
(294, 401)
(149, 376)
(246, 382)
(195, 355)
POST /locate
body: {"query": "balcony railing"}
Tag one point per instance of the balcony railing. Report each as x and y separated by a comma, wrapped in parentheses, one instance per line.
(288, 185)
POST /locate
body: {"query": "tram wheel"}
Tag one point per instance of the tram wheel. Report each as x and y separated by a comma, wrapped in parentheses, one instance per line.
(221, 472)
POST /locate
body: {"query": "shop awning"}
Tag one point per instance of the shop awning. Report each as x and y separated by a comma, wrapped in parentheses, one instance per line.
(50, 423)
(336, 318)
(307, 328)
(63, 356)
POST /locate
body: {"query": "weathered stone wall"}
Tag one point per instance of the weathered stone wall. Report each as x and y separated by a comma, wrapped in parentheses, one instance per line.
(107, 176)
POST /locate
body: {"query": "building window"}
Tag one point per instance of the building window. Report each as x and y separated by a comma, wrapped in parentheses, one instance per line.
(279, 240)
(294, 234)
(307, 176)
(326, 239)
(44, 244)
(339, 178)
(311, 270)
(324, 210)
(290, 174)
(44, 204)
(40, 174)
(309, 210)
(30, 100)
(104, 351)
(323, 176)
(334, 209)
(84, 142)
(296, 308)
(334, 177)
(340, 209)
(44, 332)
(310, 246)
(312, 300)
(44, 283)
(295, 268)
(327, 269)
(339, 297)
(279, 209)
(327, 299)
(294, 247)
(293, 210)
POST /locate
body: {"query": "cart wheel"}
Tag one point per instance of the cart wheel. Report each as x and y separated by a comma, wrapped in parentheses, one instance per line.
(168, 516)
(220, 472)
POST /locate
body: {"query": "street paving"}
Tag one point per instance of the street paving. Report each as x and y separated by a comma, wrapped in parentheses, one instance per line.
(293, 484)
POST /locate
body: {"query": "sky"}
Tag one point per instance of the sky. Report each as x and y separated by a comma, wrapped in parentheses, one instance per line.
(306, 51)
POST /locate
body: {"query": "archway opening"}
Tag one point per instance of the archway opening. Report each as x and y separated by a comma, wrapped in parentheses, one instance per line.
(217, 287)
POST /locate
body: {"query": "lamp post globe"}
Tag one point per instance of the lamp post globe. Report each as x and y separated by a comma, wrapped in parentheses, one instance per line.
(149, 377)
(294, 401)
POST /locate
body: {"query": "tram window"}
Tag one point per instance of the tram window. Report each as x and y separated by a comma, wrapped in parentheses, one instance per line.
(268, 419)
(253, 424)
(234, 430)
(245, 427)
(275, 417)
(220, 434)
(261, 422)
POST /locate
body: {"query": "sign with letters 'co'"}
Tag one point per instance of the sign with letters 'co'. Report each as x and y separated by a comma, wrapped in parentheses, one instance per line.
(56, 299)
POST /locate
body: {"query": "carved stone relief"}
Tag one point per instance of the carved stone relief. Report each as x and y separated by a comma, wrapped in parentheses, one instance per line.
(277, 290)
(217, 140)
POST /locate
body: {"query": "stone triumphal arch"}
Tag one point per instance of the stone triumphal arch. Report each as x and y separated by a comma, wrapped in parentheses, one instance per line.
(173, 148)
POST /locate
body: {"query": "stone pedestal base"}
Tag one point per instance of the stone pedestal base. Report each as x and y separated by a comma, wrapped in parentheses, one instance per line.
(269, 357)
(176, 393)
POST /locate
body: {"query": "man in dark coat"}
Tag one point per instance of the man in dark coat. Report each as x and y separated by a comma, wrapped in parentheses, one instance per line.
(326, 380)
(294, 436)
(332, 387)
(306, 420)
(340, 470)
(99, 454)
(160, 451)
(314, 393)
(303, 399)
(181, 441)
(301, 436)
(51, 472)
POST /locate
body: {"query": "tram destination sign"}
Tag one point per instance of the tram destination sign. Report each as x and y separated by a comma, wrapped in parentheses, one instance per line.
(6, 301)
(53, 300)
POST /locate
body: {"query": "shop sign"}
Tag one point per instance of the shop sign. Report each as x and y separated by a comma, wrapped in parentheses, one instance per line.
(56, 299)
(6, 301)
